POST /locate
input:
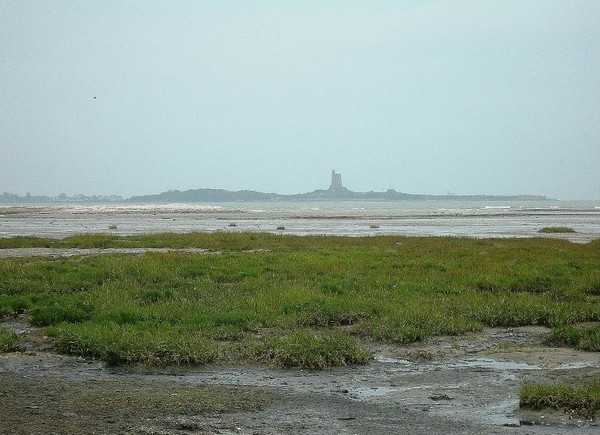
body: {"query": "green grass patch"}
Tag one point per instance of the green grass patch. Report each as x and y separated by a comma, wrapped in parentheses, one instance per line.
(310, 350)
(120, 344)
(9, 341)
(216, 241)
(272, 297)
(581, 400)
(14, 304)
(551, 230)
(580, 337)
(54, 310)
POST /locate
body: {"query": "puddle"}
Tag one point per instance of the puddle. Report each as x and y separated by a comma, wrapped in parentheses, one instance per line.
(15, 325)
(575, 366)
(388, 360)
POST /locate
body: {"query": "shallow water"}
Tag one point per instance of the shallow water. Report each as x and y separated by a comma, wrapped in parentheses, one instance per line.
(481, 219)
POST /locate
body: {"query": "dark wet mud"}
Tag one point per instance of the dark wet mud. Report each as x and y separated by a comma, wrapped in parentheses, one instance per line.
(466, 384)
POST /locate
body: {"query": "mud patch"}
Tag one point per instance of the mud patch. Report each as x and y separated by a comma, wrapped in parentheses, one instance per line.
(50, 404)
(465, 384)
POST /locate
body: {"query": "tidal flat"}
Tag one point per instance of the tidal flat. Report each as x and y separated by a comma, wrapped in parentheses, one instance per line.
(480, 219)
(286, 304)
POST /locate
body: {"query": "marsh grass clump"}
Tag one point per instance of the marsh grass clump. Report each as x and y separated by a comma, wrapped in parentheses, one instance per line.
(580, 337)
(126, 344)
(14, 304)
(25, 242)
(9, 341)
(312, 350)
(556, 230)
(153, 296)
(326, 311)
(54, 311)
(407, 325)
(581, 400)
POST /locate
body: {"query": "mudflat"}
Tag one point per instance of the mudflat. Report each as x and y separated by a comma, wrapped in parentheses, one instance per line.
(481, 219)
(466, 384)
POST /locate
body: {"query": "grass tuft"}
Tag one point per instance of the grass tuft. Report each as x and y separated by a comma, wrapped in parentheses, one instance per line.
(581, 400)
(57, 311)
(9, 341)
(556, 230)
(126, 344)
(580, 337)
(14, 304)
(313, 351)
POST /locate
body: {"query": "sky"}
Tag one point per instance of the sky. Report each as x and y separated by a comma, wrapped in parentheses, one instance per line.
(134, 97)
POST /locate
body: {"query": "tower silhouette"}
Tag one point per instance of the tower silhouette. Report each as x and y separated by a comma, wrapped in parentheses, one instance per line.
(336, 180)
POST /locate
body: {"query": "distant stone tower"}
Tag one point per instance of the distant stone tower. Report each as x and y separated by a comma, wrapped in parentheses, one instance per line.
(336, 180)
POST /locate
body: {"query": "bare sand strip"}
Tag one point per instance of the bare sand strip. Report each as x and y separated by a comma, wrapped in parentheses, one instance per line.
(70, 252)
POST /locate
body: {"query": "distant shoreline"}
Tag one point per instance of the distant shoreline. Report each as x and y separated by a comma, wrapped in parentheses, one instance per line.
(222, 195)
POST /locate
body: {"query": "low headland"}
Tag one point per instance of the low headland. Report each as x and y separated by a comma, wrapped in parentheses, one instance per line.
(223, 195)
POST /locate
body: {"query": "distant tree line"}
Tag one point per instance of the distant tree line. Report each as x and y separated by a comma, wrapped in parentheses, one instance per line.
(13, 198)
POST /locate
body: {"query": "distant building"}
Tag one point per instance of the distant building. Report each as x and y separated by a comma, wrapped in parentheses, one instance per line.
(336, 180)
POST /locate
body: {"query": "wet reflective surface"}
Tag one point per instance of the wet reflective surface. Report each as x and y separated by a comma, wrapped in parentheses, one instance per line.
(426, 218)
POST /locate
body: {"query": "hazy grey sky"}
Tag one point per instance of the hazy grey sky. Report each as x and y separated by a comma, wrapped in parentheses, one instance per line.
(131, 97)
